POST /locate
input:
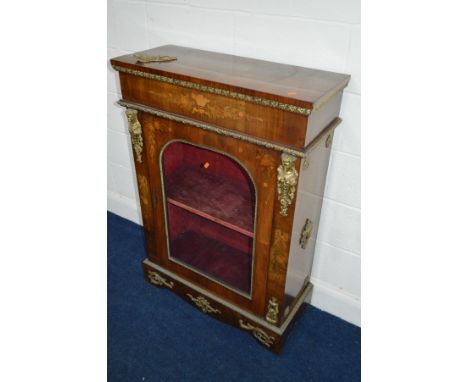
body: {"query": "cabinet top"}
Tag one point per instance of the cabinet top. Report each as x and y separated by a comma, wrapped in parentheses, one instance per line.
(303, 88)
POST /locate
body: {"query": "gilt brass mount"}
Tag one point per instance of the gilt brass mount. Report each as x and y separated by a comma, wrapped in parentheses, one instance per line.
(144, 58)
(287, 180)
(272, 311)
(212, 128)
(306, 233)
(156, 279)
(258, 333)
(135, 130)
(203, 304)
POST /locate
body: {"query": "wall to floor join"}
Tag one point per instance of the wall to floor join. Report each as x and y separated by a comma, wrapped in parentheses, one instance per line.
(316, 34)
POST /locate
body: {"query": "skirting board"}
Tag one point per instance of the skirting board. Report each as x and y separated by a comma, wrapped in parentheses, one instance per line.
(124, 207)
(324, 297)
(332, 301)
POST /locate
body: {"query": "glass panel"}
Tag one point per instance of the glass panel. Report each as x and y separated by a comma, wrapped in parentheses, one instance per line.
(210, 210)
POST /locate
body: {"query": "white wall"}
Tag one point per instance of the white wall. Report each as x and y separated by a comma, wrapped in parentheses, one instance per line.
(323, 34)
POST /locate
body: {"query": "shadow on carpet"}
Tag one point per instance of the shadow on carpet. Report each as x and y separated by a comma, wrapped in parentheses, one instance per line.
(153, 335)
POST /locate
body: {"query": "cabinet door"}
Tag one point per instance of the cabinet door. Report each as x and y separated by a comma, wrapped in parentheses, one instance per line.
(210, 205)
(212, 191)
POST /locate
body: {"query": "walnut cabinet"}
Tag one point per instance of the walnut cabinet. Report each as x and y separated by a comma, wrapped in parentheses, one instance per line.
(231, 156)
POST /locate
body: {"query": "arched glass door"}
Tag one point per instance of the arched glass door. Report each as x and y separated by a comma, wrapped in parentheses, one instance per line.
(210, 204)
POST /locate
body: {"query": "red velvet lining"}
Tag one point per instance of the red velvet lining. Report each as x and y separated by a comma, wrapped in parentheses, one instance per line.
(213, 195)
(214, 258)
(211, 248)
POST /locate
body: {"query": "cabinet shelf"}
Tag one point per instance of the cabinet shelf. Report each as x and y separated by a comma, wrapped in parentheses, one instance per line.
(213, 198)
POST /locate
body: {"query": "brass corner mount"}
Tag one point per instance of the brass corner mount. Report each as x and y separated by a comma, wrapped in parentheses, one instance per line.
(286, 182)
(136, 133)
(272, 311)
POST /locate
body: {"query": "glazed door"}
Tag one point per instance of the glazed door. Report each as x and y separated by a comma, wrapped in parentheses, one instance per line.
(212, 190)
(210, 204)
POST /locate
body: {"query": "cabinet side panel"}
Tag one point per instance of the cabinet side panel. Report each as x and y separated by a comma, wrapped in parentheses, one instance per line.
(322, 117)
(308, 206)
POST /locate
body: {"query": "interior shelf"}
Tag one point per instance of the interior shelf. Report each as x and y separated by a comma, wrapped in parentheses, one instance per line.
(212, 197)
(214, 258)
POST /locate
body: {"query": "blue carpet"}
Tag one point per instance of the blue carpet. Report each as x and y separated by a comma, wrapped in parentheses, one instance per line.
(155, 336)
